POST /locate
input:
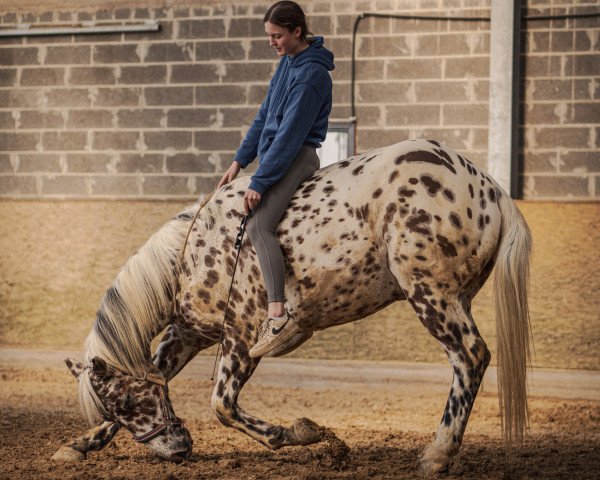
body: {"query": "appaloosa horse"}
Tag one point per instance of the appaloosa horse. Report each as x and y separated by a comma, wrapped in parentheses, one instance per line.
(413, 221)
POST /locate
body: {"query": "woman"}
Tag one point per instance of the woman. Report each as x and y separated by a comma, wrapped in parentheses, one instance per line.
(290, 125)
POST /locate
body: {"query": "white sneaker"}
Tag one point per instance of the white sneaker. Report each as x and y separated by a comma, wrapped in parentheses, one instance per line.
(273, 333)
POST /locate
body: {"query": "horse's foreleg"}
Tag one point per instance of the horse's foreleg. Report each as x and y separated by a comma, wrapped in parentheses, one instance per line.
(235, 369)
(177, 347)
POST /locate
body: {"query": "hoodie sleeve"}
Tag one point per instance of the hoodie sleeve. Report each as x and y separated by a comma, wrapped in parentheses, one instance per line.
(302, 107)
(249, 146)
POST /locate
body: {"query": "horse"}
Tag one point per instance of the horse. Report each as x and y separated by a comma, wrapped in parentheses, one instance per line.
(413, 221)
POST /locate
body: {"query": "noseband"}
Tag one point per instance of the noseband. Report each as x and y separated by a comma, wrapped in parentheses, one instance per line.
(167, 422)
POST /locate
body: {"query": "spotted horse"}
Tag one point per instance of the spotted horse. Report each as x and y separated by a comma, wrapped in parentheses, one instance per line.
(412, 221)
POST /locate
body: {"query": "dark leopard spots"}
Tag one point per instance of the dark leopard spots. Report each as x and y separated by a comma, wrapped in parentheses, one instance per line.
(358, 169)
(427, 157)
(419, 222)
(432, 186)
(377, 193)
(448, 248)
(455, 220)
(393, 175)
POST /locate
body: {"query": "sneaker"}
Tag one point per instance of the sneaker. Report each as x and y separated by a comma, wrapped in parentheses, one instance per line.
(273, 333)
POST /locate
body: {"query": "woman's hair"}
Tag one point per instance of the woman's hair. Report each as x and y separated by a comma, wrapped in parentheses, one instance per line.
(288, 15)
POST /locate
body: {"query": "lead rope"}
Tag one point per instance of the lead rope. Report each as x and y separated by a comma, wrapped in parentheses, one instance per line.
(238, 246)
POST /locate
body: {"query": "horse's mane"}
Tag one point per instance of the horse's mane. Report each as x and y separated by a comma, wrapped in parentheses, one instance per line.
(134, 309)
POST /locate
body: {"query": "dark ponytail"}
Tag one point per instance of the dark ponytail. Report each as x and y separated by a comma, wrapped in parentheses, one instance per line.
(289, 15)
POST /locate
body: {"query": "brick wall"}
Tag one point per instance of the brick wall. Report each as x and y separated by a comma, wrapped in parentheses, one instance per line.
(159, 115)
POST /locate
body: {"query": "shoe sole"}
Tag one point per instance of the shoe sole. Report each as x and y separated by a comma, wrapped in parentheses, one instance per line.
(276, 343)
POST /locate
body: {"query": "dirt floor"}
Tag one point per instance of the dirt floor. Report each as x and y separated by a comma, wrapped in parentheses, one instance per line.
(385, 428)
(58, 258)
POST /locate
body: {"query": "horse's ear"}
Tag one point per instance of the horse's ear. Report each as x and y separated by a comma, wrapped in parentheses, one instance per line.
(75, 367)
(99, 367)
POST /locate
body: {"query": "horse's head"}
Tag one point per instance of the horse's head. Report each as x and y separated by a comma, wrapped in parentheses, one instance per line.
(141, 405)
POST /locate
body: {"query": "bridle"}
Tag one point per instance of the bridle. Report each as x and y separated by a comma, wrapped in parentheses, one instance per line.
(167, 421)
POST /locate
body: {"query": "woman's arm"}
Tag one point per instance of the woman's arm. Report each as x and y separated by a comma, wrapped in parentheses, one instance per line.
(301, 110)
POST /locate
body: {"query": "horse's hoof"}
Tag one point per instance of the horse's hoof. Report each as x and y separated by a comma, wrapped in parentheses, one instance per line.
(68, 454)
(306, 431)
(434, 463)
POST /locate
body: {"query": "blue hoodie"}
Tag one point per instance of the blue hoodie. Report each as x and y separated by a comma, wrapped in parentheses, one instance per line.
(295, 112)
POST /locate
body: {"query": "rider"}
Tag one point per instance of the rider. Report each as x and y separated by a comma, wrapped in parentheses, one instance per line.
(290, 125)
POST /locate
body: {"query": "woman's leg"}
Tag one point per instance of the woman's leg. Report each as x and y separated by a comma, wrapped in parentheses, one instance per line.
(262, 226)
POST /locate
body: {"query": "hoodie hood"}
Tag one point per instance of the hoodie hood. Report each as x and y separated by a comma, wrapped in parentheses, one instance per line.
(316, 52)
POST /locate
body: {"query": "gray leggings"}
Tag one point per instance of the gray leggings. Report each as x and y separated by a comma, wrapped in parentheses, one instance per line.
(263, 223)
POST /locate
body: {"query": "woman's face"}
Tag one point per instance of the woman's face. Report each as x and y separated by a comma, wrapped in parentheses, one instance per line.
(282, 40)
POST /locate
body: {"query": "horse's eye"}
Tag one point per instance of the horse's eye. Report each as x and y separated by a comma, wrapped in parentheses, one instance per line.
(127, 402)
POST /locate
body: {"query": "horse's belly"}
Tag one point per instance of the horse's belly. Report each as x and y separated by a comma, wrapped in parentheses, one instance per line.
(338, 296)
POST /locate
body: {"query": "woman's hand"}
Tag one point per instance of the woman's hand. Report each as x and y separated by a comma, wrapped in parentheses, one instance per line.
(251, 200)
(230, 174)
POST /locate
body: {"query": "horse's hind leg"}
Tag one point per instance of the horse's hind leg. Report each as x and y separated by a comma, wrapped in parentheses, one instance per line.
(177, 347)
(235, 369)
(449, 320)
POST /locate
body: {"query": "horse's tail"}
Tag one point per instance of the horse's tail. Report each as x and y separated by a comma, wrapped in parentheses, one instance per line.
(512, 319)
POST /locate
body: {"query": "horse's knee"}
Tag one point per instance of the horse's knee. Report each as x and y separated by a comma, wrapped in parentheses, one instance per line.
(222, 409)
